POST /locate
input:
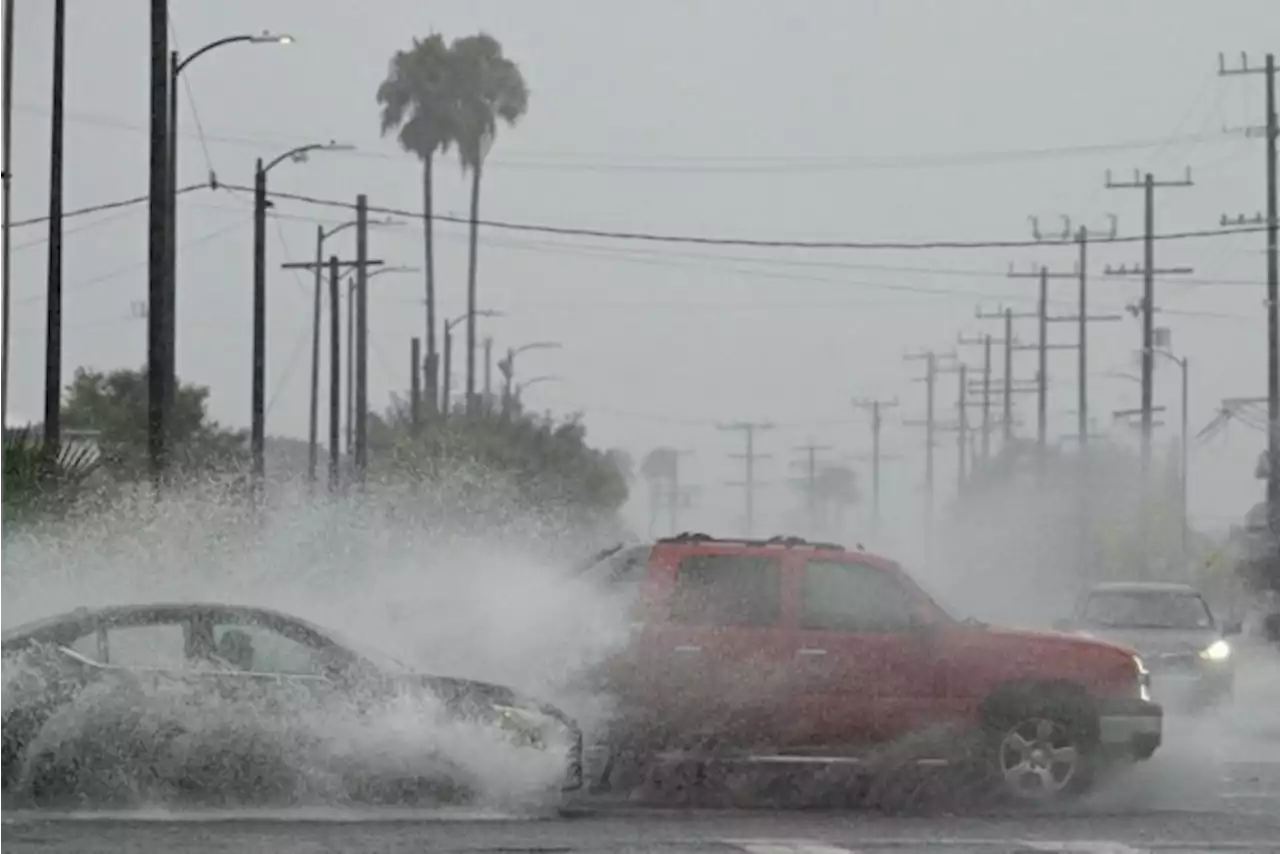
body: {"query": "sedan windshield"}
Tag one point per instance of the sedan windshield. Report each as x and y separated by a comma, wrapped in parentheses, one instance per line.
(1148, 610)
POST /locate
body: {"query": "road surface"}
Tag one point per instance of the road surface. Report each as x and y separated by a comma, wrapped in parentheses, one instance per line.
(1213, 787)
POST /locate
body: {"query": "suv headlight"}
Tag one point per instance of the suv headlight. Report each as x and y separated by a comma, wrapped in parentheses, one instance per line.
(1144, 679)
(1219, 650)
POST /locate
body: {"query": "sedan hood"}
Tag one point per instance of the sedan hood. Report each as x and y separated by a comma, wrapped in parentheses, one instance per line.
(1151, 643)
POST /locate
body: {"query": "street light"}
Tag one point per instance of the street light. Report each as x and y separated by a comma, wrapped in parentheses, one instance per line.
(258, 404)
(448, 351)
(176, 67)
(351, 331)
(1164, 337)
(508, 365)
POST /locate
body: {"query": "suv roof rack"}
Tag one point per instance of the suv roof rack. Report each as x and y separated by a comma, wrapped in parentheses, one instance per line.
(777, 540)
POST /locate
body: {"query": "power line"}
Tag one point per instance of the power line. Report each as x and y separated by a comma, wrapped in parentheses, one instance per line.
(657, 237)
(106, 206)
(578, 161)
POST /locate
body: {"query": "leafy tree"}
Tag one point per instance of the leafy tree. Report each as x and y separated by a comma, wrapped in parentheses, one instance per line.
(485, 88)
(416, 104)
(115, 406)
(545, 463)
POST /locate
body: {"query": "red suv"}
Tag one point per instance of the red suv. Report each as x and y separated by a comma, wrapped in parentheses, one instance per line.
(784, 651)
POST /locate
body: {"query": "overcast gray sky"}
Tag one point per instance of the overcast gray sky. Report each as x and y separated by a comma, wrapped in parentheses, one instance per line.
(827, 119)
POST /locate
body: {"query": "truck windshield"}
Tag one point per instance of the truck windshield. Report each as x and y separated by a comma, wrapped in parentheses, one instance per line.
(1148, 610)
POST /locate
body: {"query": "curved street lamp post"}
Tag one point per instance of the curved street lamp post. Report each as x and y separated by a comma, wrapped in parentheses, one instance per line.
(258, 402)
(176, 66)
(507, 366)
(448, 353)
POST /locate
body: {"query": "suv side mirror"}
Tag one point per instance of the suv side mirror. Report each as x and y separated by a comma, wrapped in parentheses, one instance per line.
(1233, 627)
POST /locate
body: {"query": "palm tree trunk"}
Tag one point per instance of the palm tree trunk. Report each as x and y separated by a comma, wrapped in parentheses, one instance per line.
(471, 290)
(428, 233)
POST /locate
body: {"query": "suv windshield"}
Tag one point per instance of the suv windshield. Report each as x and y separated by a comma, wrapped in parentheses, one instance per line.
(1148, 610)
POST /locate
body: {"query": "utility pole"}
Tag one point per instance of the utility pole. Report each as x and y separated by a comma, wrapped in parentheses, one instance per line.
(986, 341)
(362, 336)
(53, 307)
(1081, 236)
(963, 433)
(930, 378)
(317, 267)
(1148, 184)
(675, 490)
(876, 408)
(335, 371)
(749, 458)
(1042, 348)
(6, 174)
(810, 463)
(1011, 344)
(1270, 129)
(157, 248)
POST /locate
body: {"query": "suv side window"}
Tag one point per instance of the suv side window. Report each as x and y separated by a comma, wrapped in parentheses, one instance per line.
(259, 649)
(621, 574)
(840, 596)
(158, 645)
(727, 590)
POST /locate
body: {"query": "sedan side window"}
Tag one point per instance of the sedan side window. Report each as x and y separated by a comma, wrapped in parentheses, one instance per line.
(157, 645)
(259, 649)
(851, 597)
(727, 590)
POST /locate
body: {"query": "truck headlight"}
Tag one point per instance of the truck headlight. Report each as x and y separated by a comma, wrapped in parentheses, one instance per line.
(1144, 679)
(1219, 650)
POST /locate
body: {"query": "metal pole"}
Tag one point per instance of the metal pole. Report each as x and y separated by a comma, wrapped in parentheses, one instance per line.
(351, 364)
(986, 398)
(313, 425)
(963, 437)
(875, 467)
(446, 380)
(335, 373)
(171, 246)
(1148, 312)
(1273, 306)
(362, 335)
(488, 374)
(930, 377)
(7, 176)
(415, 384)
(259, 391)
(1008, 375)
(1083, 354)
(1186, 460)
(1042, 391)
(53, 318)
(157, 223)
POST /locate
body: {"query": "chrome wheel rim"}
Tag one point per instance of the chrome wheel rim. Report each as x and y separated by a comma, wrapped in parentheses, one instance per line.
(1038, 759)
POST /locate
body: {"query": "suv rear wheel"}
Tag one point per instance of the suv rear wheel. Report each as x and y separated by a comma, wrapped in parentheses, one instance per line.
(1041, 751)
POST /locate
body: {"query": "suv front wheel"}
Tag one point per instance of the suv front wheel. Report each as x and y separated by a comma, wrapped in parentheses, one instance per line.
(1041, 751)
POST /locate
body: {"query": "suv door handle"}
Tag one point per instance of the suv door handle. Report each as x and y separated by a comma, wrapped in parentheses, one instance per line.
(810, 651)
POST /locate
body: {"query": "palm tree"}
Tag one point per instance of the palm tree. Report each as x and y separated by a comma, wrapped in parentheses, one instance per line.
(415, 102)
(485, 87)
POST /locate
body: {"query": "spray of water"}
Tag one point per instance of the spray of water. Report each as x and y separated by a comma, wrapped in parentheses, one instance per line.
(461, 581)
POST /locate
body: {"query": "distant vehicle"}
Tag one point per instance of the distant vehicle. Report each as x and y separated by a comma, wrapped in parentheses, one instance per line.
(788, 653)
(1174, 631)
(226, 645)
